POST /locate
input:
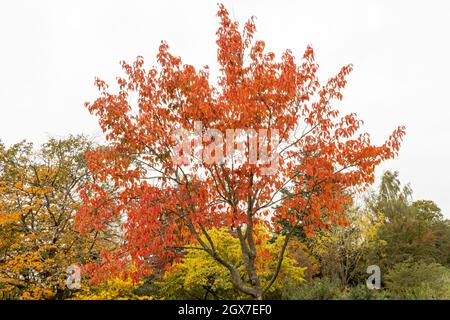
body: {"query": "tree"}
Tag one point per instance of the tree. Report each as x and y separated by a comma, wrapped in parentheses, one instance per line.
(345, 252)
(166, 196)
(38, 201)
(414, 230)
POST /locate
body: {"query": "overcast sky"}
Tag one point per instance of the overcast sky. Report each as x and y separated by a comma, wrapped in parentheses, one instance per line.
(50, 52)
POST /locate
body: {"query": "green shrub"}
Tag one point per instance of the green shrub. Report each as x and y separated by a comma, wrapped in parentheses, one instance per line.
(418, 280)
(361, 292)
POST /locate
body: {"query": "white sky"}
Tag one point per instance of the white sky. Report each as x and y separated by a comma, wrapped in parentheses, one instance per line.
(50, 52)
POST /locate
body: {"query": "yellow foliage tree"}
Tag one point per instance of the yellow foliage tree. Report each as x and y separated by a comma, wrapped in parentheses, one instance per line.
(38, 199)
(345, 252)
(199, 276)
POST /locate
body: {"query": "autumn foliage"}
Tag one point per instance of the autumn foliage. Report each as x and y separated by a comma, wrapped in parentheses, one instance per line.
(161, 207)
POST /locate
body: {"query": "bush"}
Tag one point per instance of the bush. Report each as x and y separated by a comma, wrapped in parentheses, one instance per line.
(361, 292)
(418, 280)
(113, 289)
(315, 289)
(198, 276)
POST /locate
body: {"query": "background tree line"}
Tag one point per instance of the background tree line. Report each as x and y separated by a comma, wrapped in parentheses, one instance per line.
(408, 239)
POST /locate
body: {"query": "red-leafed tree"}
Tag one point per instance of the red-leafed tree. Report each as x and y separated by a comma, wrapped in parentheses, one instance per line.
(162, 204)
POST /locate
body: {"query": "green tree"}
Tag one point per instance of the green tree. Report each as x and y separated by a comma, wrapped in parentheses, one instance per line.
(413, 229)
